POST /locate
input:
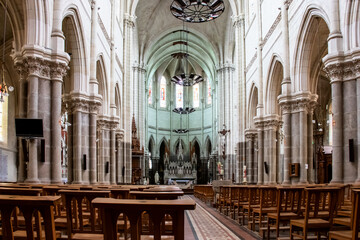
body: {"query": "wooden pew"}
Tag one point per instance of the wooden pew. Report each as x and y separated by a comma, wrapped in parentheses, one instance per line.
(352, 234)
(288, 207)
(133, 209)
(27, 205)
(318, 201)
(155, 195)
(75, 212)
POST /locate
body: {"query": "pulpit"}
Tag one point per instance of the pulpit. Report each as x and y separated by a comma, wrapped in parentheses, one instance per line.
(137, 154)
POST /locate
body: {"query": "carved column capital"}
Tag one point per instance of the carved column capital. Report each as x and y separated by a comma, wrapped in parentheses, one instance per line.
(335, 72)
(129, 20)
(238, 20)
(33, 66)
(79, 105)
(58, 71)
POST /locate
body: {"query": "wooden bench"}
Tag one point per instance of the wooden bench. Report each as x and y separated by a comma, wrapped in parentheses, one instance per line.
(133, 209)
(321, 204)
(27, 205)
(155, 195)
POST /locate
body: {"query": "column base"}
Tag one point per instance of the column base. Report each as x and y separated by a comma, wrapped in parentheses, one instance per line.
(34, 180)
(286, 183)
(336, 182)
(77, 182)
(56, 182)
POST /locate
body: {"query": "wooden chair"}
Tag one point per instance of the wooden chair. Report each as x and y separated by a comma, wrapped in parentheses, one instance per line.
(352, 234)
(28, 205)
(253, 201)
(83, 221)
(318, 201)
(288, 207)
(268, 195)
(134, 209)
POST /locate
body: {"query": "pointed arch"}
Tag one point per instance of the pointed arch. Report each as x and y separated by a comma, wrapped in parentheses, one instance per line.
(207, 146)
(311, 45)
(273, 88)
(151, 145)
(177, 143)
(102, 81)
(163, 139)
(118, 101)
(72, 28)
(352, 25)
(252, 103)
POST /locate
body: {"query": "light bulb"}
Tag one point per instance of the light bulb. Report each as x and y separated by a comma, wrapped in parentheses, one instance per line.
(11, 88)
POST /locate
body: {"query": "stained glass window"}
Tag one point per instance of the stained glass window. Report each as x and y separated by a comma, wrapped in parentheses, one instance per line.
(150, 93)
(163, 92)
(196, 98)
(208, 92)
(179, 96)
(3, 120)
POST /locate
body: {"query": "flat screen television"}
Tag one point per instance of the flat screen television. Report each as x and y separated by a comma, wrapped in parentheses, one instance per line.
(29, 128)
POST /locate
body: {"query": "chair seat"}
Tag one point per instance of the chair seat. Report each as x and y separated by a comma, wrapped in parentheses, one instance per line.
(312, 223)
(341, 235)
(265, 210)
(60, 222)
(87, 236)
(21, 234)
(343, 221)
(283, 215)
(344, 213)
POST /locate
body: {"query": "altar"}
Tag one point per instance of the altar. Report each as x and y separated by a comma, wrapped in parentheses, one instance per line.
(181, 169)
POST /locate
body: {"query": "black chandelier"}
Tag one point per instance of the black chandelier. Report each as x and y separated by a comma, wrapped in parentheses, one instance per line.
(186, 110)
(197, 11)
(180, 130)
(187, 80)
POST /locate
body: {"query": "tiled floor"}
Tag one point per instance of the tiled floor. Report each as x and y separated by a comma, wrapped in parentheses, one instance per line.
(206, 223)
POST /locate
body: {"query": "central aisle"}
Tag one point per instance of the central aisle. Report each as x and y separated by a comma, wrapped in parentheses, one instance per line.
(206, 223)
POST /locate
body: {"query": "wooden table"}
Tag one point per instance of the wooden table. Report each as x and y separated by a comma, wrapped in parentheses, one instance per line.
(20, 191)
(156, 195)
(27, 204)
(133, 210)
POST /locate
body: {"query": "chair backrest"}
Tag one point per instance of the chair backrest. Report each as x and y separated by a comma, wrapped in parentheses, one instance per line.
(355, 214)
(289, 199)
(268, 196)
(323, 199)
(78, 202)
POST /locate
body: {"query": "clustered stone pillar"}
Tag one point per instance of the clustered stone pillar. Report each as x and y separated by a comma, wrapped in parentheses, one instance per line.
(259, 125)
(286, 111)
(113, 163)
(77, 125)
(250, 163)
(57, 73)
(92, 141)
(34, 68)
(120, 159)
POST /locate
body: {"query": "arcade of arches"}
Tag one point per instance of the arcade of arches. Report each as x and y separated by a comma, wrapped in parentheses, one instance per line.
(280, 100)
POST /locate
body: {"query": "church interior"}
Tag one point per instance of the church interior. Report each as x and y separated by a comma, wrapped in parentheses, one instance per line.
(179, 119)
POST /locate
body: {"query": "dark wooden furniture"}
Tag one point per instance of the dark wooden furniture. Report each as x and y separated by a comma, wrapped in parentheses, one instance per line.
(133, 209)
(27, 205)
(155, 195)
(321, 204)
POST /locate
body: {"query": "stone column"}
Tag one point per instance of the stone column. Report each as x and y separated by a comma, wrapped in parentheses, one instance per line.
(303, 143)
(94, 107)
(34, 68)
(250, 158)
(21, 114)
(286, 111)
(120, 160)
(57, 73)
(310, 161)
(113, 153)
(357, 71)
(335, 72)
(78, 107)
(101, 152)
(260, 127)
(129, 25)
(93, 83)
(272, 125)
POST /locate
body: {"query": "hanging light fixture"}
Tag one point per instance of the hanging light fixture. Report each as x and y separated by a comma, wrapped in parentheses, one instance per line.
(186, 110)
(197, 11)
(4, 90)
(184, 79)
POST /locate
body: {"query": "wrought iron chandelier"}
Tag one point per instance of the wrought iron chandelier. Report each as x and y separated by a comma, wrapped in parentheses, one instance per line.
(187, 80)
(180, 130)
(197, 11)
(186, 110)
(4, 90)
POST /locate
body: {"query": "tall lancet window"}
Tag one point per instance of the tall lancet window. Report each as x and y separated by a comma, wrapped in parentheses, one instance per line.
(179, 96)
(208, 92)
(196, 97)
(150, 93)
(163, 92)
(4, 120)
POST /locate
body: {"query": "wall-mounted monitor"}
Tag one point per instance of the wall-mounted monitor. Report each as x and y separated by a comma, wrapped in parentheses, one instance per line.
(29, 128)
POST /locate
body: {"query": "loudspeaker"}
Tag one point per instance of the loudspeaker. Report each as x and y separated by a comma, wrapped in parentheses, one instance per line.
(123, 170)
(266, 167)
(84, 162)
(42, 151)
(25, 149)
(351, 150)
(107, 165)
